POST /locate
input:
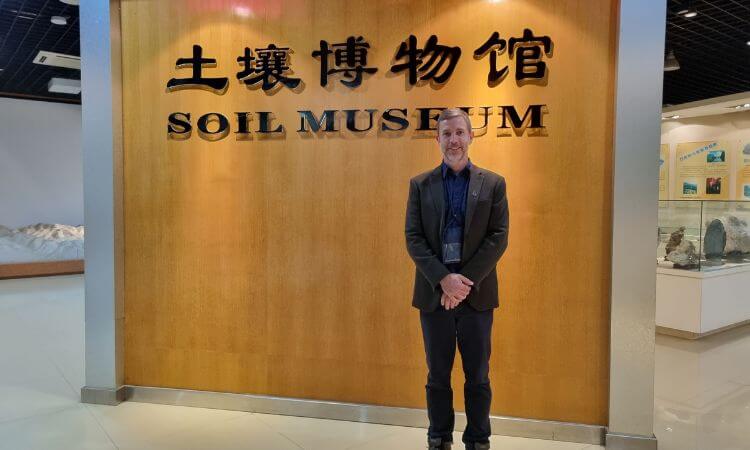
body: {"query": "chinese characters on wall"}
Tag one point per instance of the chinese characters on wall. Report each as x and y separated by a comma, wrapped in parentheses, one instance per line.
(430, 61)
(269, 67)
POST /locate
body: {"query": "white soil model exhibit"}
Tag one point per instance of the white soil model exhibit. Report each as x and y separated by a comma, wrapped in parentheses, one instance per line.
(41, 242)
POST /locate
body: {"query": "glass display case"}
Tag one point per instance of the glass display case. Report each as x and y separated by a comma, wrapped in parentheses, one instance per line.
(703, 235)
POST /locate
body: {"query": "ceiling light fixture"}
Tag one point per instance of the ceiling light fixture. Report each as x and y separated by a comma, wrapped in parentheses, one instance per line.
(670, 62)
(688, 12)
(675, 117)
(24, 15)
(59, 20)
(58, 59)
(64, 86)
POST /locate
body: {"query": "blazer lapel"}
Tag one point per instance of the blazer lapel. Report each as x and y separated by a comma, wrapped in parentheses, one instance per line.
(476, 178)
(436, 190)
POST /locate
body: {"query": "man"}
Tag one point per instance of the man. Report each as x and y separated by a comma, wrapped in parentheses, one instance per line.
(456, 232)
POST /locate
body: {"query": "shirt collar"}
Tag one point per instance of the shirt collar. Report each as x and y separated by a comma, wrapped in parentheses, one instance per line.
(444, 167)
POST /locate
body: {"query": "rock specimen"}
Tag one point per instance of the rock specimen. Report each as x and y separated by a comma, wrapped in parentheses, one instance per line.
(738, 239)
(674, 239)
(713, 242)
(681, 251)
(684, 255)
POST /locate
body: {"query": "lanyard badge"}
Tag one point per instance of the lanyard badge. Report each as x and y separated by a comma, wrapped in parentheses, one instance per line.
(452, 244)
(452, 252)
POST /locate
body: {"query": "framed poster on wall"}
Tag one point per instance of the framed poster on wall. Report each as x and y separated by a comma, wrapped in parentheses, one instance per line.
(664, 172)
(743, 170)
(702, 170)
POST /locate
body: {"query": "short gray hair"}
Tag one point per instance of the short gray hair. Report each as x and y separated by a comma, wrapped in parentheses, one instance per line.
(451, 113)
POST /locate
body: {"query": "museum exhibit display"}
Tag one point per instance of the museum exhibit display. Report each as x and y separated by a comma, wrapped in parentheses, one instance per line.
(41, 242)
(703, 246)
(703, 235)
(703, 267)
(41, 249)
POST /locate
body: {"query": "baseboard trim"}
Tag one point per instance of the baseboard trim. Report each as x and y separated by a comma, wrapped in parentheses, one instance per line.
(619, 441)
(99, 396)
(352, 412)
(693, 335)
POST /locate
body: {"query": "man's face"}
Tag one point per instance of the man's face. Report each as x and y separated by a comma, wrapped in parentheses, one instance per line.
(454, 137)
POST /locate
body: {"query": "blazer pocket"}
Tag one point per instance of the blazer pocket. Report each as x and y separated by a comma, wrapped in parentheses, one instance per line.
(484, 203)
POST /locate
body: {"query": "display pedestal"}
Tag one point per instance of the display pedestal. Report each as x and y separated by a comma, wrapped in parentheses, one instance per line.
(695, 304)
(41, 269)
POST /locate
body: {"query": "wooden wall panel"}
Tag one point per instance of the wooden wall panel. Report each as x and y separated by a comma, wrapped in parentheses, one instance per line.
(278, 266)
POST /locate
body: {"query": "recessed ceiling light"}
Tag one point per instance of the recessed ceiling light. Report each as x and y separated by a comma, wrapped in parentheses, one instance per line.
(675, 117)
(688, 11)
(64, 86)
(746, 105)
(59, 20)
(58, 59)
(24, 15)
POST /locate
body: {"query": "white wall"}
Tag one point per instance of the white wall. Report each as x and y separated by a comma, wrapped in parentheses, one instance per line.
(41, 173)
(732, 127)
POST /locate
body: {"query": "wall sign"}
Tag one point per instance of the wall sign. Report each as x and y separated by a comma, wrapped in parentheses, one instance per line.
(269, 69)
(702, 170)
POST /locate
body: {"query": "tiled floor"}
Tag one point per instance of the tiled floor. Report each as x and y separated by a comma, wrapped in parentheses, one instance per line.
(702, 388)
(703, 392)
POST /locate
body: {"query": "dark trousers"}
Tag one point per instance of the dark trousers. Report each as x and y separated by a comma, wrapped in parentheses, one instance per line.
(472, 330)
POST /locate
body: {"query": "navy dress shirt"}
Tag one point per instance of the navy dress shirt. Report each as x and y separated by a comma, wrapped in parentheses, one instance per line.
(455, 189)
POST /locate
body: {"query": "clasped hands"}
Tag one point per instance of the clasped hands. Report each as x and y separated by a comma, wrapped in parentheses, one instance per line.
(456, 288)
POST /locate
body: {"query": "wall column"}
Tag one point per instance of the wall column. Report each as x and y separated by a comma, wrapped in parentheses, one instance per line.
(638, 91)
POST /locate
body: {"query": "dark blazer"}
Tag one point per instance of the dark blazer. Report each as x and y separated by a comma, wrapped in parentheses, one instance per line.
(485, 236)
